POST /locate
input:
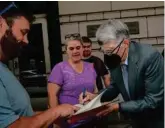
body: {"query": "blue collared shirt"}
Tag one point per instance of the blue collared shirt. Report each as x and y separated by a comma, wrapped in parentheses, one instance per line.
(124, 68)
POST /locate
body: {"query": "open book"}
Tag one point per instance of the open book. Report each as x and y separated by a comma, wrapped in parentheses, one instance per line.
(90, 109)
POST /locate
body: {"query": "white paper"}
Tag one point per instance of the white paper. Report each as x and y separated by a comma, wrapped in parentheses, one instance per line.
(91, 105)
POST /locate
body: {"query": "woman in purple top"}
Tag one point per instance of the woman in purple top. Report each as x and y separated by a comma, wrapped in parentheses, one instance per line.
(68, 78)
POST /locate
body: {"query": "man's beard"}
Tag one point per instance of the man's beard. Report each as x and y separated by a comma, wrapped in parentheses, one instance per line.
(86, 53)
(9, 46)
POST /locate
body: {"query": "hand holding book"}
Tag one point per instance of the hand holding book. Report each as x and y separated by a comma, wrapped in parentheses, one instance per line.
(109, 108)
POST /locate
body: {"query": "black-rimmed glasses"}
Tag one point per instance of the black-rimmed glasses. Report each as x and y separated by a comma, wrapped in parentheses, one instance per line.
(108, 52)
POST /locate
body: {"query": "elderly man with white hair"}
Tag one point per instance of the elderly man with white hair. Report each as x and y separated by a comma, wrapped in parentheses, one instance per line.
(137, 73)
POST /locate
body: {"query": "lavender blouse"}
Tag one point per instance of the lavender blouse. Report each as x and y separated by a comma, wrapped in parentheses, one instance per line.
(71, 82)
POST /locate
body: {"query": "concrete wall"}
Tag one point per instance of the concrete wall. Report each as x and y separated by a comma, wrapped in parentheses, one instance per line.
(75, 16)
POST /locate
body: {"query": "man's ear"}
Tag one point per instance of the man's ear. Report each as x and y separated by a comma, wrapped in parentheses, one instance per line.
(3, 26)
(1, 21)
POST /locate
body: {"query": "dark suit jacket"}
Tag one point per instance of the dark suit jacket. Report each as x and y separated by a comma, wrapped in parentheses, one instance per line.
(146, 86)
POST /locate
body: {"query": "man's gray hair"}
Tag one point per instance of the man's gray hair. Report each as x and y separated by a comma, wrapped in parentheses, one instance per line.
(113, 29)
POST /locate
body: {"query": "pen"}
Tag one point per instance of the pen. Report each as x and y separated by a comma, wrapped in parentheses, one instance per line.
(84, 90)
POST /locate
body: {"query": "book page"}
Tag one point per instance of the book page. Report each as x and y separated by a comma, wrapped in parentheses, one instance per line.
(91, 105)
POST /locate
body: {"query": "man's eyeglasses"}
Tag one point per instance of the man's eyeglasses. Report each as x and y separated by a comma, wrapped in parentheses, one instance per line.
(72, 48)
(108, 52)
(73, 36)
(87, 46)
(8, 8)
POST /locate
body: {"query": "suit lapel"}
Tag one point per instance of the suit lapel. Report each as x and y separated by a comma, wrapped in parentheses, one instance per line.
(132, 69)
(117, 75)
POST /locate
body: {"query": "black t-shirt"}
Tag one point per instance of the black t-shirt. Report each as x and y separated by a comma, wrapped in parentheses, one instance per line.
(100, 69)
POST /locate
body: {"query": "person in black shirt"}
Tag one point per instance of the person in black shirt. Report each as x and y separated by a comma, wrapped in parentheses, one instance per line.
(102, 73)
(100, 68)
